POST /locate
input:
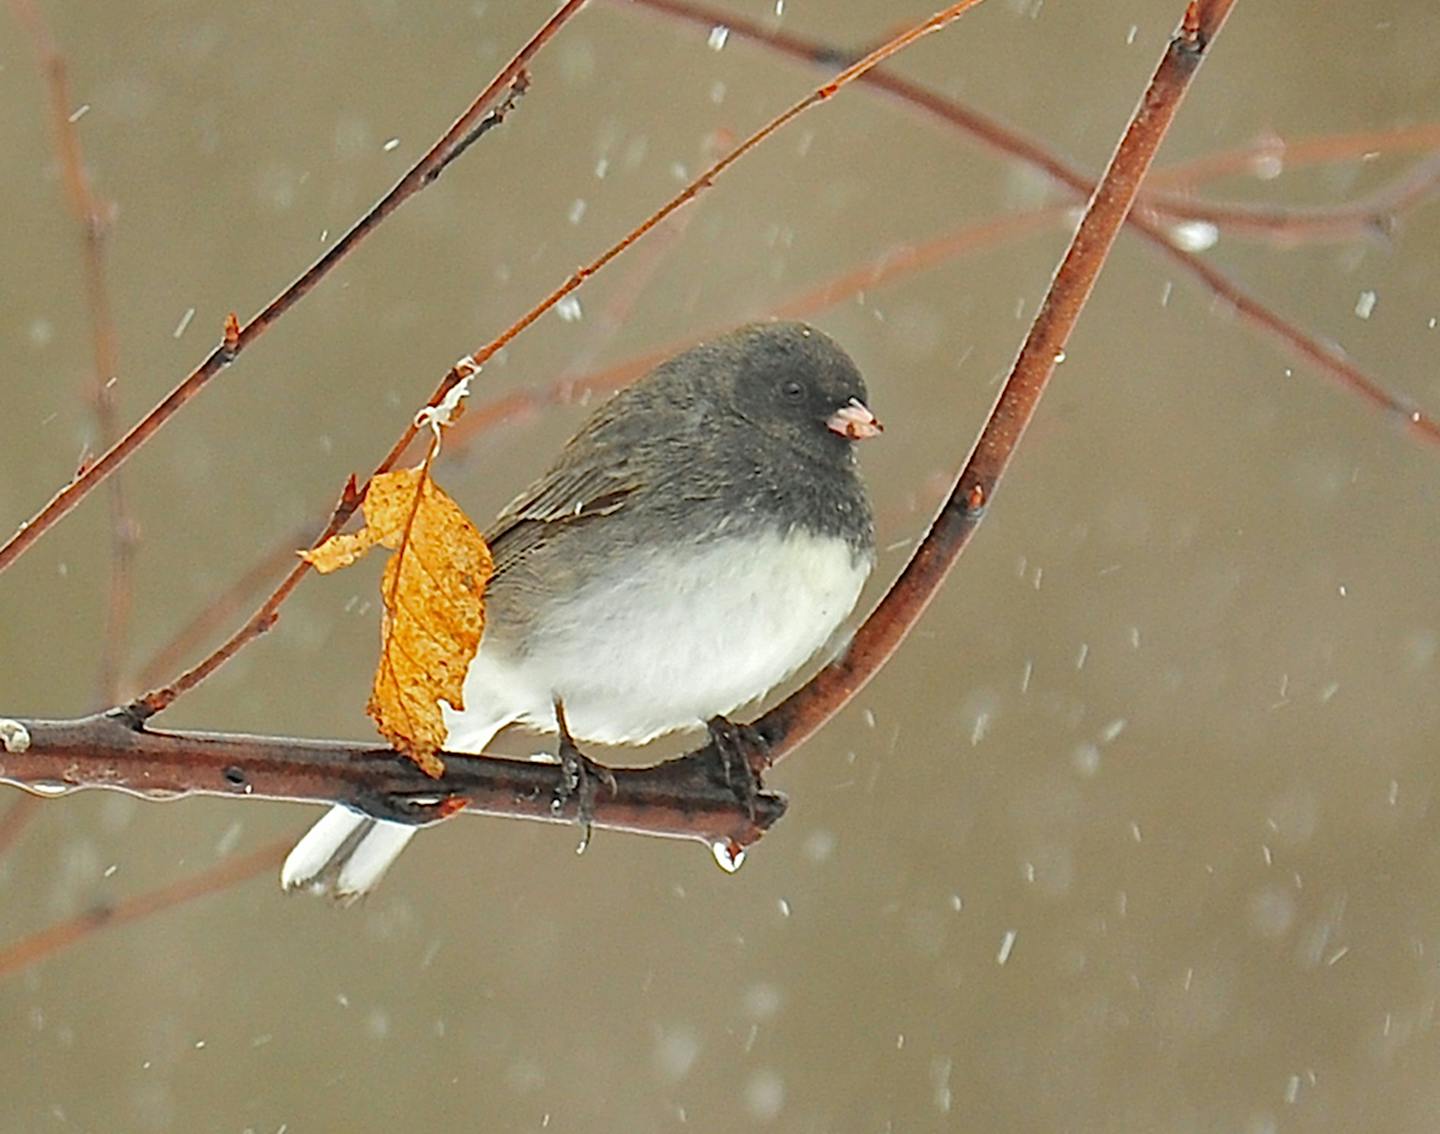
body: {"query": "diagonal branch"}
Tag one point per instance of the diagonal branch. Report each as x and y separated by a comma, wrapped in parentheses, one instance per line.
(487, 111)
(1374, 213)
(29, 950)
(791, 722)
(1003, 140)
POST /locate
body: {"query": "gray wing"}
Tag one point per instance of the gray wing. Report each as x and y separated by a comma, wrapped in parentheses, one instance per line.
(595, 475)
(603, 468)
(562, 498)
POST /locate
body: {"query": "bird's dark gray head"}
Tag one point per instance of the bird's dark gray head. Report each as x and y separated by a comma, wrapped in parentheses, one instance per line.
(758, 426)
(790, 380)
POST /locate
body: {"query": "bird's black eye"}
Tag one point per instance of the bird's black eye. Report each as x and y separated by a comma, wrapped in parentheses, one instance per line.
(792, 391)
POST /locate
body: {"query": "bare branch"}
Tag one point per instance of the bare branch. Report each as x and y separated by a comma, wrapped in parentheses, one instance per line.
(785, 727)
(1267, 151)
(1008, 142)
(94, 216)
(679, 798)
(29, 950)
(488, 110)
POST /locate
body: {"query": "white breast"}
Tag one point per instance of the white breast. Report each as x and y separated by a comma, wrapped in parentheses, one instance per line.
(676, 639)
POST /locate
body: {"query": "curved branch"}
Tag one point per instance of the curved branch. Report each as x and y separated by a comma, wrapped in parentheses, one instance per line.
(785, 727)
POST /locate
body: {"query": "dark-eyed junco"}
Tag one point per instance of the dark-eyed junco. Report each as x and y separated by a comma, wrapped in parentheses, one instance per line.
(700, 538)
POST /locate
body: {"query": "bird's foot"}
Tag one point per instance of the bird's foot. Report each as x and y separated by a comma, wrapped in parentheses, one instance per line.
(580, 780)
(742, 754)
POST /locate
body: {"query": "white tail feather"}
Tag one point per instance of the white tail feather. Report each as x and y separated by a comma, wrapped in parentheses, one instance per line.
(367, 863)
(345, 854)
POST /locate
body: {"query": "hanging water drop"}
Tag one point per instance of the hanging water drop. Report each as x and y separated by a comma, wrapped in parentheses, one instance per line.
(729, 854)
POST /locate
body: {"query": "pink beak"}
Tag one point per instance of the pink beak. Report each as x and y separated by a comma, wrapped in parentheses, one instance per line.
(855, 421)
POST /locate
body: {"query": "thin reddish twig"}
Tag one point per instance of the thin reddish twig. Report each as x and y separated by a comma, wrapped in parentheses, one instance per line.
(488, 110)
(16, 818)
(790, 723)
(1008, 142)
(1281, 153)
(1327, 358)
(1375, 212)
(94, 216)
(707, 178)
(218, 612)
(50, 940)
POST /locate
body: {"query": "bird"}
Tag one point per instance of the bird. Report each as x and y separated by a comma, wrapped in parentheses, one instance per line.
(697, 541)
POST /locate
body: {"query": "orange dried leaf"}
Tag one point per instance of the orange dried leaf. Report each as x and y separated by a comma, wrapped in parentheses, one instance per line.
(433, 593)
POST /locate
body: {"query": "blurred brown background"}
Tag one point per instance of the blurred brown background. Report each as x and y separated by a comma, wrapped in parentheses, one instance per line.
(1166, 742)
